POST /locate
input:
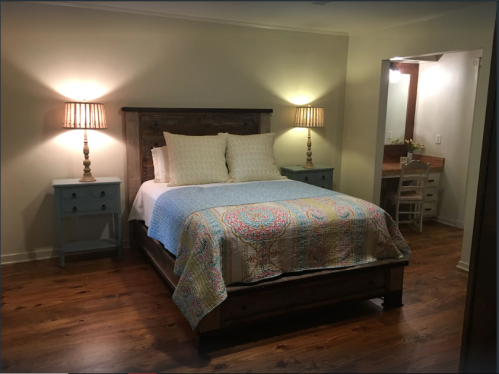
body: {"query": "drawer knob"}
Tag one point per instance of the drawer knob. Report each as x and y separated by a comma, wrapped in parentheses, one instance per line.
(73, 195)
(323, 187)
(427, 209)
(306, 179)
(431, 180)
(430, 194)
(74, 209)
(323, 177)
(103, 206)
(102, 194)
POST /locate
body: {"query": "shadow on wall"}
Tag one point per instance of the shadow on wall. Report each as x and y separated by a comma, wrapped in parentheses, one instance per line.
(40, 225)
(39, 229)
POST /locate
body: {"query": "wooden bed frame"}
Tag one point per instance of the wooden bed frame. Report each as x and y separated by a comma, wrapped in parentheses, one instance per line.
(245, 303)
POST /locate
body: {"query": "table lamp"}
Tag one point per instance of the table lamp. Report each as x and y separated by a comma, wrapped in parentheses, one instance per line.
(83, 116)
(309, 117)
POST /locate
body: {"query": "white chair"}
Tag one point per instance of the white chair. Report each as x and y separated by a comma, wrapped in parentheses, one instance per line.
(413, 194)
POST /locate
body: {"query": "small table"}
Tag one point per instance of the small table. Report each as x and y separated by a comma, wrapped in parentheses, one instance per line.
(321, 176)
(73, 198)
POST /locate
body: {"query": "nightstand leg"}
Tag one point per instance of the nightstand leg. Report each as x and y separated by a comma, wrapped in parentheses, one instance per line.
(61, 242)
(117, 225)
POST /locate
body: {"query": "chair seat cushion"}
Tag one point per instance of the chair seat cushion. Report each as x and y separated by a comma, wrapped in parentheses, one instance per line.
(405, 196)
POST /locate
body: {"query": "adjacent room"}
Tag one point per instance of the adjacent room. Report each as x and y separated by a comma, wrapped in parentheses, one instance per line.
(225, 186)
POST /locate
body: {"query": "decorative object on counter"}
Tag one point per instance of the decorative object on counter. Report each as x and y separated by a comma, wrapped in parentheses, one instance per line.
(411, 147)
(83, 116)
(309, 117)
(395, 141)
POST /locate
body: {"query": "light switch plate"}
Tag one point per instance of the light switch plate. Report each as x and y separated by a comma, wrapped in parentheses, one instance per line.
(438, 139)
(390, 134)
(349, 136)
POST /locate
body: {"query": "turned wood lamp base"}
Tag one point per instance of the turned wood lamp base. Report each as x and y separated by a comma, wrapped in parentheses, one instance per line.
(87, 175)
(309, 164)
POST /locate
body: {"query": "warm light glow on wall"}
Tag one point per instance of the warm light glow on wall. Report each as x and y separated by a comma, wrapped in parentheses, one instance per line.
(81, 90)
(73, 140)
(301, 99)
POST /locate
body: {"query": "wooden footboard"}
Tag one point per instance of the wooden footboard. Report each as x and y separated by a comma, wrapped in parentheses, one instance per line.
(289, 293)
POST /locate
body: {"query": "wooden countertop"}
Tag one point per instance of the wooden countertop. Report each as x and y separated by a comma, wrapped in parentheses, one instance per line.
(393, 167)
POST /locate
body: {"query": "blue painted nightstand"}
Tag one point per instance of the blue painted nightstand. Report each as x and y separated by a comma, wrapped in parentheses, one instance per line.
(321, 176)
(74, 198)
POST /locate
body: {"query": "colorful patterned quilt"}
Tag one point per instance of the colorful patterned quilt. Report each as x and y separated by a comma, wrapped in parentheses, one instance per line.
(270, 235)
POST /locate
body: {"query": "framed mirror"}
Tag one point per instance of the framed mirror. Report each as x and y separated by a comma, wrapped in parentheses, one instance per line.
(401, 108)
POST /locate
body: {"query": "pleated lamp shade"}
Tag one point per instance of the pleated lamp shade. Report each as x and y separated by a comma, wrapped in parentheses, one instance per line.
(85, 116)
(309, 117)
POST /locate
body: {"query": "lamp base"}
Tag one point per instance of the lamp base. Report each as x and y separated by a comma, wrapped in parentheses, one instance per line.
(87, 177)
(309, 165)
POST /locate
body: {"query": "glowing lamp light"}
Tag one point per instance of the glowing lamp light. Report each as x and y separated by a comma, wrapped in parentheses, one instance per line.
(83, 115)
(309, 117)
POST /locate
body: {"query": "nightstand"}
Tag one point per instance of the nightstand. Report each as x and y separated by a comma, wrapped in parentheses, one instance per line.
(321, 176)
(73, 198)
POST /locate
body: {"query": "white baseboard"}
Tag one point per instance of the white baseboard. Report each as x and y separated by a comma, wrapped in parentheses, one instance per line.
(463, 266)
(29, 256)
(450, 222)
(38, 255)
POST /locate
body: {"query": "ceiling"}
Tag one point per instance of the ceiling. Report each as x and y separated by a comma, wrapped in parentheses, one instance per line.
(334, 17)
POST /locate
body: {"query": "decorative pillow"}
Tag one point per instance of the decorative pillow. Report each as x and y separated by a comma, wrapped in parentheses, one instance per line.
(160, 163)
(251, 158)
(196, 159)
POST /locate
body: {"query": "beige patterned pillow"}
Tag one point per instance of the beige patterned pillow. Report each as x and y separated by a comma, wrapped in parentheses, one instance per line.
(196, 159)
(251, 158)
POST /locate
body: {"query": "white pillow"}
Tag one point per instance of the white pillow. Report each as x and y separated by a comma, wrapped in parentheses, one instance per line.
(251, 158)
(160, 162)
(196, 159)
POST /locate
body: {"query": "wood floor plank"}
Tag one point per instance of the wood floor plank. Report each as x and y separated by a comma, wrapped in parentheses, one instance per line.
(99, 314)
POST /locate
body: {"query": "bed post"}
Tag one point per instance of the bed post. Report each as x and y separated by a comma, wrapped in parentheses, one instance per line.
(393, 298)
(133, 166)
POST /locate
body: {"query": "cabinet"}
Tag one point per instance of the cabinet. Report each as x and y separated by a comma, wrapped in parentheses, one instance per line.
(73, 198)
(321, 176)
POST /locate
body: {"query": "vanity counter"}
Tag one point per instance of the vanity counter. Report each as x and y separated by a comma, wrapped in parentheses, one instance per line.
(392, 168)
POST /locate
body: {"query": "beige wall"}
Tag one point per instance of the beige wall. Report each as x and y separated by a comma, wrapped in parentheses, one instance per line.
(467, 29)
(52, 54)
(445, 105)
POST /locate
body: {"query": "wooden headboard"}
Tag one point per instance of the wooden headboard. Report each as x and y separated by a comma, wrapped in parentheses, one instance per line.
(144, 129)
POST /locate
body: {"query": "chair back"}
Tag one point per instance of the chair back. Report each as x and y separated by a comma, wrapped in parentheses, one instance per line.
(416, 172)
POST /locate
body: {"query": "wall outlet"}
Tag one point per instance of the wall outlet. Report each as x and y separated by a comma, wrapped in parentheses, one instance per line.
(476, 61)
(389, 134)
(349, 136)
(438, 139)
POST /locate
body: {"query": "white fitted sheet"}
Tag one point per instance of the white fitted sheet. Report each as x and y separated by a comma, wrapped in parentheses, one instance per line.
(150, 191)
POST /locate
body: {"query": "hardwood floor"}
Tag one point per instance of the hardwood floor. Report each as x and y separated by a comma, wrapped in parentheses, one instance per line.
(102, 315)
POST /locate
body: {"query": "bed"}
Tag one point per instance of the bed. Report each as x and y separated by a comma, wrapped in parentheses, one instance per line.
(248, 302)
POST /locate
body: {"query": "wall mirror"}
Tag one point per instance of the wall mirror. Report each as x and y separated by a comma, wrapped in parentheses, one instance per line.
(401, 106)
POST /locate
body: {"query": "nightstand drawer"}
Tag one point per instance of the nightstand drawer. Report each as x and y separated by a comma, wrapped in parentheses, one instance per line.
(74, 193)
(306, 177)
(102, 192)
(325, 184)
(323, 177)
(89, 207)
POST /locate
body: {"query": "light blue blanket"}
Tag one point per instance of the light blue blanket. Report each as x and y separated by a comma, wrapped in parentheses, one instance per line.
(175, 206)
